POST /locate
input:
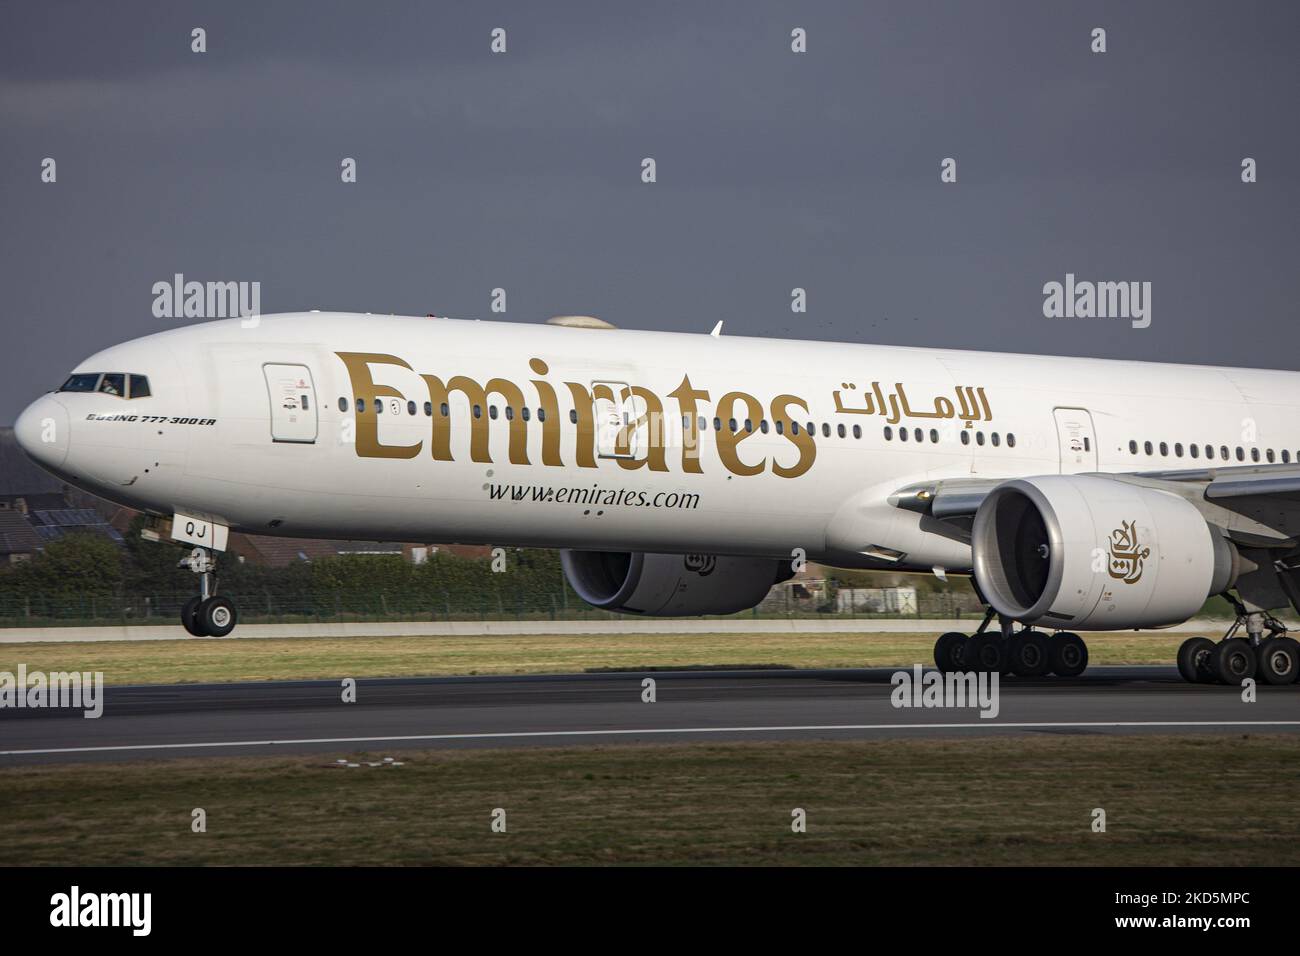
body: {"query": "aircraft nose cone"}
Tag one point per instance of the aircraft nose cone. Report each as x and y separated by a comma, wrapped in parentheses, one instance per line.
(42, 431)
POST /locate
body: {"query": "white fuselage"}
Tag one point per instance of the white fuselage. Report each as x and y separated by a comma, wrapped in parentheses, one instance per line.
(224, 434)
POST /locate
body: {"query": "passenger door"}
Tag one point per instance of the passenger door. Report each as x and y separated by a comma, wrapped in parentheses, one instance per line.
(1077, 440)
(293, 403)
(616, 436)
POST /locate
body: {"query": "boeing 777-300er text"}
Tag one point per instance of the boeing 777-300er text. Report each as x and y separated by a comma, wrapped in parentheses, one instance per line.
(686, 474)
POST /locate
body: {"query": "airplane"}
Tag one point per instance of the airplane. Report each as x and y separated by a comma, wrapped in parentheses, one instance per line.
(685, 474)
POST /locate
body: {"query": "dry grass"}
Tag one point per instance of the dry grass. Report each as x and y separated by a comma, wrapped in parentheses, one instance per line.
(206, 660)
(1022, 800)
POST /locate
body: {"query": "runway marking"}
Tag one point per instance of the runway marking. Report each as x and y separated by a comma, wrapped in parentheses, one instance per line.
(801, 728)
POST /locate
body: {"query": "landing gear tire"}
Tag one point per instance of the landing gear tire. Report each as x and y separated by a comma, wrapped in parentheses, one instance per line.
(1194, 660)
(1233, 661)
(986, 653)
(1277, 660)
(1067, 655)
(217, 616)
(1029, 655)
(950, 651)
(190, 617)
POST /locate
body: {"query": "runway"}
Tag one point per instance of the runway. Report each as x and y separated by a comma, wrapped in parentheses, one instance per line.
(212, 720)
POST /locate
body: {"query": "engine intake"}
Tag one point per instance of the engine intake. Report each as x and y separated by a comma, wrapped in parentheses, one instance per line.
(671, 585)
(1096, 554)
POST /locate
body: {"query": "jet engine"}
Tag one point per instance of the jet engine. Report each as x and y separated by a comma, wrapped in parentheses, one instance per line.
(671, 585)
(1093, 554)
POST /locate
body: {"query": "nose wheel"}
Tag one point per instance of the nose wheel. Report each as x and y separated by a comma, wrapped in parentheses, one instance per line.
(207, 614)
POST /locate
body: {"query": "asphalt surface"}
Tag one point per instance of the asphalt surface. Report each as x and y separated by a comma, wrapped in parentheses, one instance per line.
(213, 720)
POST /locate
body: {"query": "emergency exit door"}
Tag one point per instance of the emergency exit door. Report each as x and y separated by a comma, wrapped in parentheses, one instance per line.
(1077, 440)
(293, 402)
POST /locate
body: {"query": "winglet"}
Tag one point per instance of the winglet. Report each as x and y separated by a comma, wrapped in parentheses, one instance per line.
(717, 329)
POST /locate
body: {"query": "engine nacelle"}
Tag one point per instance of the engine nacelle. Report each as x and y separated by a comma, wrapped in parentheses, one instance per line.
(671, 585)
(1095, 554)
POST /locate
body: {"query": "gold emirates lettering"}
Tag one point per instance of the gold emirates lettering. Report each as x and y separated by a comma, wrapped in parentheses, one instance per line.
(651, 422)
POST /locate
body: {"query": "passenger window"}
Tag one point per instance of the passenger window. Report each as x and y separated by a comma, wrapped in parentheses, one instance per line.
(1269, 455)
(410, 408)
(889, 433)
(1087, 443)
(510, 413)
(1286, 456)
(1146, 446)
(492, 412)
(1178, 449)
(361, 405)
(902, 434)
(997, 441)
(114, 383)
(1223, 452)
(379, 407)
(794, 428)
(780, 427)
(840, 430)
(826, 430)
(1164, 449)
(857, 431)
(478, 411)
(428, 409)
(573, 416)
(343, 404)
(749, 425)
(762, 425)
(979, 438)
(731, 425)
(1132, 448)
(934, 436)
(1195, 450)
(305, 406)
(1011, 441)
(717, 424)
(1241, 454)
(965, 438)
(443, 410)
(1254, 454)
(139, 386)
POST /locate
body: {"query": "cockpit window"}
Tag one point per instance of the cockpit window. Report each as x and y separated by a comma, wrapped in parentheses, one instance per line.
(107, 383)
(80, 382)
(113, 383)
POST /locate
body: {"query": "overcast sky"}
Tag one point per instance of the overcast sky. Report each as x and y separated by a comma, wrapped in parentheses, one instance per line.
(775, 170)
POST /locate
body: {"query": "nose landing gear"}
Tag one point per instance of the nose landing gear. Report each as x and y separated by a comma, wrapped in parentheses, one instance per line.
(207, 614)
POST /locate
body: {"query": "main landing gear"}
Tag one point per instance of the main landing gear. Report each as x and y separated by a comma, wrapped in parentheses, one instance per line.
(1026, 653)
(1271, 659)
(206, 614)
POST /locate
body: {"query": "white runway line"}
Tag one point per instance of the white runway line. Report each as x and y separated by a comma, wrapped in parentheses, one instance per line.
(809, 728)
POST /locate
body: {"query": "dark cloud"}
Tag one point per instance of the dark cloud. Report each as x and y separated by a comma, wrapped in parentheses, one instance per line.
(775, 170)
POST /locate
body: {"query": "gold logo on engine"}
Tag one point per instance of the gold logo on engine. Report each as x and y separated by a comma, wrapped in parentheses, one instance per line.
(1127, 555)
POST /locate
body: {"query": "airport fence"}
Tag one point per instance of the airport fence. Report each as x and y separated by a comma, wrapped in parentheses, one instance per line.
(274, 606)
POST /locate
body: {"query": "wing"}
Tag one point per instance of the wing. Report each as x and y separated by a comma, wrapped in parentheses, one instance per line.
(1256, 505)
